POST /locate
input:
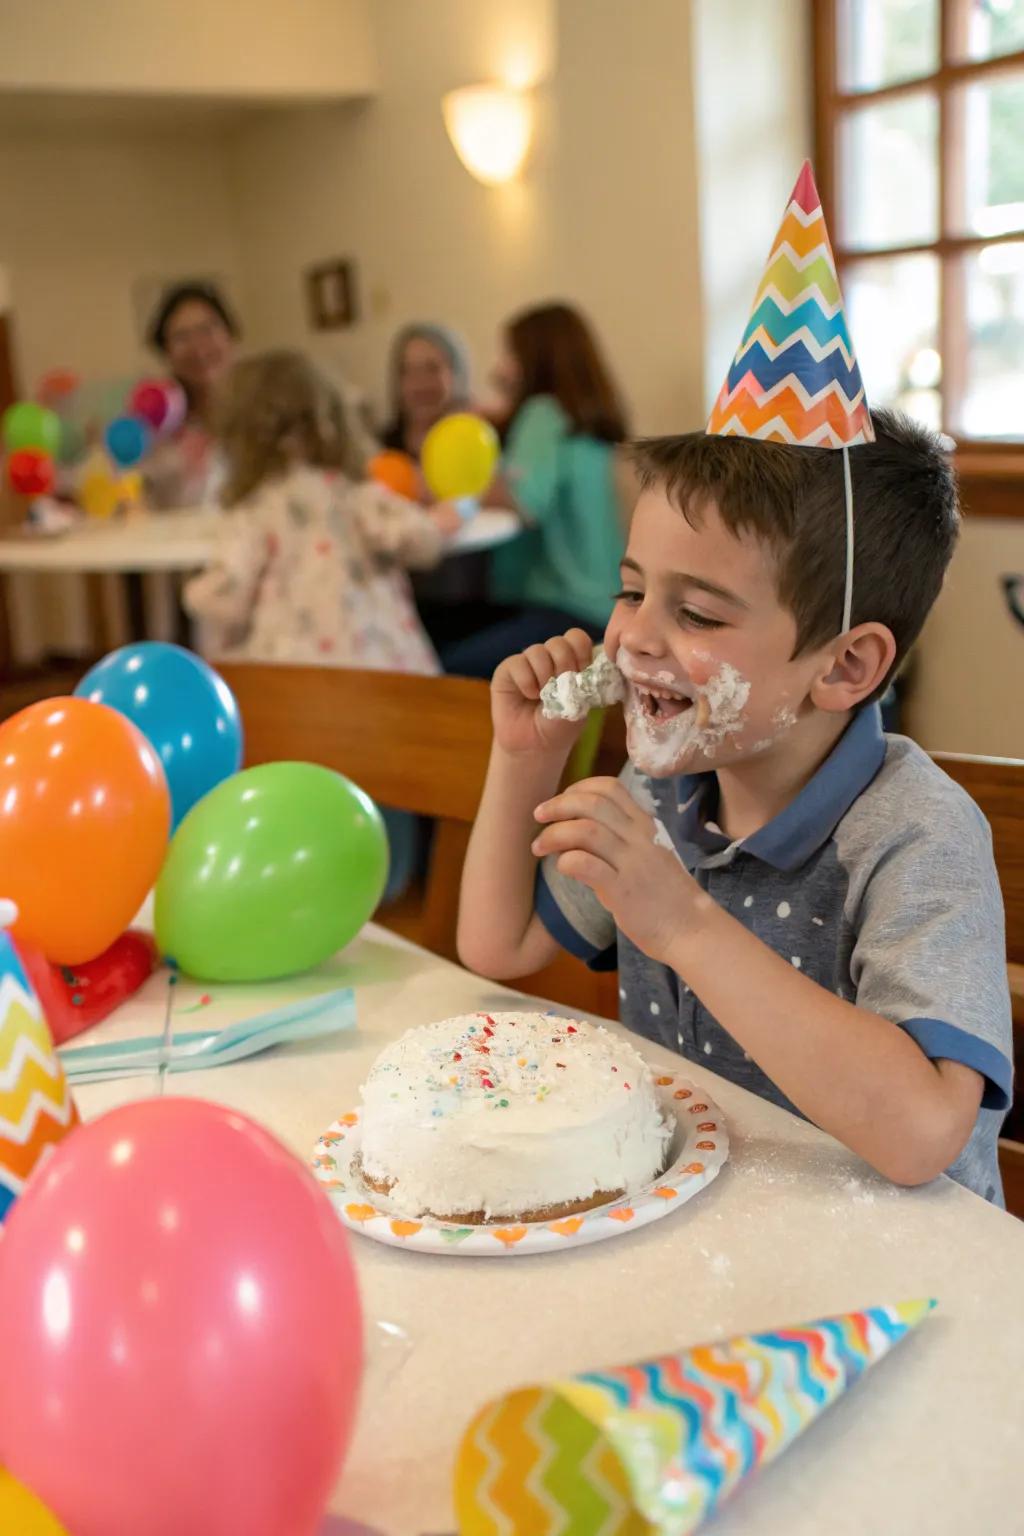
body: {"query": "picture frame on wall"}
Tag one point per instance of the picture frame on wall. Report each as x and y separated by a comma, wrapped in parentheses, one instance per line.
(331, 295)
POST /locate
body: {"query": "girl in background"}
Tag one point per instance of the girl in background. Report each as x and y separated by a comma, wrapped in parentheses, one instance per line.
(564, 471)
(312, 564)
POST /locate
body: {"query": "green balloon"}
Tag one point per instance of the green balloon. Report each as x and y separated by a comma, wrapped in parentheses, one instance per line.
(271, 873)
(27, 425)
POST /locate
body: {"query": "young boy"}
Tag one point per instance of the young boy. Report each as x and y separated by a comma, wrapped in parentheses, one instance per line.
(793, 899)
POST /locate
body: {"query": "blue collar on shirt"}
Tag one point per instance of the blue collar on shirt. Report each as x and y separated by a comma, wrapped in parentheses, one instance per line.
(791, 837)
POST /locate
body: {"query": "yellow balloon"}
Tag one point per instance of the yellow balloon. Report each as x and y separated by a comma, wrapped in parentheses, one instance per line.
(98, 494)
(22, 1513)
(459, 456)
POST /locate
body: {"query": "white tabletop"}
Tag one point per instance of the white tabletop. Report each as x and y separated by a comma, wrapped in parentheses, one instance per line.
(794, 1228)
(181, 541)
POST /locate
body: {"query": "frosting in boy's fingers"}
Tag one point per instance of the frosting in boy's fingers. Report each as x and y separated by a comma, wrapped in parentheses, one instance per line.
(572, 695)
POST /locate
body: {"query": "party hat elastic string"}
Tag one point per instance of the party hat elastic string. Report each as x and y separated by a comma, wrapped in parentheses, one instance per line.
(848, 588)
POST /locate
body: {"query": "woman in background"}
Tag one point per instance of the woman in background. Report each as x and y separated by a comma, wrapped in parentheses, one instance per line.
(195, 333)
(564, 472)
(428, 378)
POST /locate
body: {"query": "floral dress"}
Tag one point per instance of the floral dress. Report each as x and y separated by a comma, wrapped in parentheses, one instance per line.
(311, 570)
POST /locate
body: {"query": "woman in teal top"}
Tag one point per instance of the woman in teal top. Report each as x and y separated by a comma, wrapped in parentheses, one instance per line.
(561, 472)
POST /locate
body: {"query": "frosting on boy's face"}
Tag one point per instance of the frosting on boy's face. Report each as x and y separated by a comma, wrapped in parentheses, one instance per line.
(704, 643)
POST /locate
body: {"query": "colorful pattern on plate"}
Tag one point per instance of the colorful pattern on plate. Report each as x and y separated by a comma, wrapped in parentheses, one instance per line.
(699, 1148)
(658, 1447)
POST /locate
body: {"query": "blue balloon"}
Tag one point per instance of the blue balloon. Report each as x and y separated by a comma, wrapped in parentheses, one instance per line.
(127, 439)
(188, 713)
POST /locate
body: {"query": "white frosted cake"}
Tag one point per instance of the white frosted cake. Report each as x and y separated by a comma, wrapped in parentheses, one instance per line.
(501, 1116)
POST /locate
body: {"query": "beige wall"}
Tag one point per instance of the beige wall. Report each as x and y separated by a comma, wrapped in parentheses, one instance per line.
(752, 99)
(90, 211)
(605, 213)
(245, 48)
(968, 691)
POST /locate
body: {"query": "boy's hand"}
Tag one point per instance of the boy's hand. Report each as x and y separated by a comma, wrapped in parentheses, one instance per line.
(519, 725)
(604, 840)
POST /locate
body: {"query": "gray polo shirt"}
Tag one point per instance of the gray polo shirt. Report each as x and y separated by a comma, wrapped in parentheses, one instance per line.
(877, 881)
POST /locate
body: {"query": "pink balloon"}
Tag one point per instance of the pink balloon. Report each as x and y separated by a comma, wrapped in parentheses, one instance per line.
(160, 403)
(180, 1330)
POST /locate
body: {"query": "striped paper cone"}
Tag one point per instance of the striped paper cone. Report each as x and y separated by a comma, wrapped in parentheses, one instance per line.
(654, 1449)
(795, 376)
(36, 1107)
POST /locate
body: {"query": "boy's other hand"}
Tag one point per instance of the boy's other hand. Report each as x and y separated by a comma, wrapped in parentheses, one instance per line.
(519, 725)
(603, 839)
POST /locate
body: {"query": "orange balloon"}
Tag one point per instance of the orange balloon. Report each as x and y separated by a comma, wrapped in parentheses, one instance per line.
(85, 815)
(398, 472)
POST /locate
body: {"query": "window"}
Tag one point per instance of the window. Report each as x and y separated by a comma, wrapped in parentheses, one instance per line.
(920, 124)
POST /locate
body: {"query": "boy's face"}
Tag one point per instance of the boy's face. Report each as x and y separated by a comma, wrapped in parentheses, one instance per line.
(705, 644)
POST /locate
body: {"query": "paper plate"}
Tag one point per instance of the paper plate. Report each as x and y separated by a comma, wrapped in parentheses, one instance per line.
(700, 1145)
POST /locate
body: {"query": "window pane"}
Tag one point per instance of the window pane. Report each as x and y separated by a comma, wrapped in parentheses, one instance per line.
(993, 115)
(995, 27)
(879, 41)
(889, 160)
(994, 384)
(893, 310)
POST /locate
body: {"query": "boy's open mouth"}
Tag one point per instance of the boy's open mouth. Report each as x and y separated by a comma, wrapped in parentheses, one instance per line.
(661, 704)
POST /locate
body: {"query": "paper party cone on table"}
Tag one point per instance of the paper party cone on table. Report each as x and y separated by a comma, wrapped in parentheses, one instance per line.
(36, 1107)
(654, 1449)
(795, 377)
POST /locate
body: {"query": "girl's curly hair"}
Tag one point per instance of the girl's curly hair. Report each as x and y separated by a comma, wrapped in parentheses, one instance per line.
(276, 410)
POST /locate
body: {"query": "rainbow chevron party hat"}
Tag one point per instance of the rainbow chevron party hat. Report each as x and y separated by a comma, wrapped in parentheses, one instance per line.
(36, 1107)
(795, 377)
(655, 1449)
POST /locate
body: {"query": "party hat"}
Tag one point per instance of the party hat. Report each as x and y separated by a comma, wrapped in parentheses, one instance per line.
(36, 1107)
(655, 1449)
(795, 377)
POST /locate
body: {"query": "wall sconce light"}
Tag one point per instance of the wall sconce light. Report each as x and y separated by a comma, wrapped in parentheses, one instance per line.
(491, 127)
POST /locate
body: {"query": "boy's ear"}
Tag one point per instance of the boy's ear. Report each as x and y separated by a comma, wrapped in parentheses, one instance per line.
(854, 666)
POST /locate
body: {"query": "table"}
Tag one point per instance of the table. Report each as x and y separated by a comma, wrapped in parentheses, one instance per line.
(794, 1228)
(175, 542)
(183, 541)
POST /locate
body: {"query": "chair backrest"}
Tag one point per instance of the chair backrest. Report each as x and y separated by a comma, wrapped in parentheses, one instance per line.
(416, 743)
(996, 784)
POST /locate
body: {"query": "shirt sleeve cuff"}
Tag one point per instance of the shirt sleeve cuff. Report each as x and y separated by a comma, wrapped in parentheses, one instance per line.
(562, 931)
(950, 1043)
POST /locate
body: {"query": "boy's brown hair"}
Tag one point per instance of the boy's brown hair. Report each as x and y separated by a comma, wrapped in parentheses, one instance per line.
(278, 410)
(905, 512)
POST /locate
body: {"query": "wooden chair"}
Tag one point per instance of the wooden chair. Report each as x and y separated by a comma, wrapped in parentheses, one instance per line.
(419, 744)
(996, 784)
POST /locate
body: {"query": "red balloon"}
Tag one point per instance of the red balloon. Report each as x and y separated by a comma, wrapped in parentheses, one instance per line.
(30, 472)
(180, 1330)
(74, 998)
(160, 403)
